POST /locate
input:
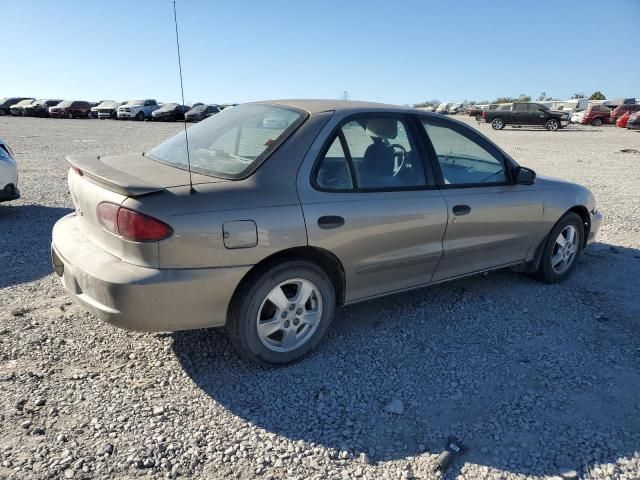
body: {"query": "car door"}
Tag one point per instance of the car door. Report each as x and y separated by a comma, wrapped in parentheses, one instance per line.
(490, 219)
(520, 114)
(370, 199)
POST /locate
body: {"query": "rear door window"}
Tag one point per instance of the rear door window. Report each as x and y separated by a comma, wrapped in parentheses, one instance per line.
(372, 152)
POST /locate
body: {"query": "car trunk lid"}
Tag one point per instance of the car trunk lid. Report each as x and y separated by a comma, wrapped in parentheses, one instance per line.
(94, 180)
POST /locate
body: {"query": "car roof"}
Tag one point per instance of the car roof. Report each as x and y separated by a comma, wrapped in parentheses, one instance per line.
(317, 106)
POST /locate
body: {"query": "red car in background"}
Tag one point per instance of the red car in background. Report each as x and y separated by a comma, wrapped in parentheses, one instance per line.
(596, 115)
(620, 110)
(622, 121)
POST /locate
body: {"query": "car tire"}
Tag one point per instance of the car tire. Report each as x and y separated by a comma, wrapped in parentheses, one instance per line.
(558, 262)
(3, 112)
(258, 328)
(497, 123)
(596, 122)
(140, 116)
(478, 117)
(552, 125)
(69, 115)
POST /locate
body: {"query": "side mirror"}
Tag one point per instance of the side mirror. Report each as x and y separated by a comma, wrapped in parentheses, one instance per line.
(524, 176)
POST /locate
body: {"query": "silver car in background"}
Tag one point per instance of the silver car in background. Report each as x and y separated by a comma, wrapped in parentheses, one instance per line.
(299, 206)
(8, 174)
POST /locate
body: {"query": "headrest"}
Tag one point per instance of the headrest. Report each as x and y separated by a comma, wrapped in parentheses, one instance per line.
(382, 128)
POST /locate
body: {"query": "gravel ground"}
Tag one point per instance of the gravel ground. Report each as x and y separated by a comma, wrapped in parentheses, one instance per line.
(538, 381)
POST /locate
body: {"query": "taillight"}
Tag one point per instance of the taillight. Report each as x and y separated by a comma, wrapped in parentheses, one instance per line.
(484, 114)
(132, 225)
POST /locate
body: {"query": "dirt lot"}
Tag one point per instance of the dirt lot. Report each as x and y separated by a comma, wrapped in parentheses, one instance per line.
(537, 380)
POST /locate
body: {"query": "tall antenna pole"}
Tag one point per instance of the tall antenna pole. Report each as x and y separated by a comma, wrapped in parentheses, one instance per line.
(186, 136)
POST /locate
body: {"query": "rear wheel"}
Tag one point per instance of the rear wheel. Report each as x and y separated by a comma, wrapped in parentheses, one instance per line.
(3, 112)
(552, 125)
(478, 117)
(596, 122)
(140, 116)
(562, 249)
(282, 313)
(69, 115)
(497, 124)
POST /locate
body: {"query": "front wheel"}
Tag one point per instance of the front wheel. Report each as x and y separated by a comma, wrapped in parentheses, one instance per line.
(69, 115)
(552, 125)
(140, 116)
(282, 313)
(497, 124)
(596, 122)
(562, 249)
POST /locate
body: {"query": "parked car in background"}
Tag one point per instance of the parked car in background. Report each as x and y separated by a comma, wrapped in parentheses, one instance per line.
(227, 105)
(40, 108)
(475, 111)
(170, 112)
(290, 221)
(8, 174)
(201, 112)
(17, 110)
(95, 106)
(634, 121)
(596, 115)
(576, 117)
(428, 108)
(454, 108)
(108, 109)
(70, 109)
(443, 108)
(526, 113)
(7, 103)
(138, 109)
(574, 105)
(622, 120)
(620, 110)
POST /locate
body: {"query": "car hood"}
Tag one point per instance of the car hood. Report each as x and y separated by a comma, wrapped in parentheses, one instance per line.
(134, 174)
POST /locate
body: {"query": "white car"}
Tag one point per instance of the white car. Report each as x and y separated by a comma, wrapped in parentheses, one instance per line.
(138, 109)
(576, 117)
(8, 174)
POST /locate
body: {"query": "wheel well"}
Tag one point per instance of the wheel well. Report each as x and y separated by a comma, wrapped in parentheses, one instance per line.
(586, 220)
(318, 256)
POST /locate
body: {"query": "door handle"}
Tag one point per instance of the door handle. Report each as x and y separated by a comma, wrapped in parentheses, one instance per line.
(330, 221)
(461, 210)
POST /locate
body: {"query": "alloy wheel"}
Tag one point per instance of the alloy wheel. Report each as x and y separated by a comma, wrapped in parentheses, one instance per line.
(565, 249)
(289, 315)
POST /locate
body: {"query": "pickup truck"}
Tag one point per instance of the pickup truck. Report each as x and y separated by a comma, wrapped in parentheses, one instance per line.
(525, 113)
(138, 109)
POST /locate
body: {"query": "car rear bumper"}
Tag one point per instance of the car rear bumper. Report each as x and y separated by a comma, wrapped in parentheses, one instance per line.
(140, 298)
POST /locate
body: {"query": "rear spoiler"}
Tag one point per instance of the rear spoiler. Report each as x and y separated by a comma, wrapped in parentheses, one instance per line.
(111, 178)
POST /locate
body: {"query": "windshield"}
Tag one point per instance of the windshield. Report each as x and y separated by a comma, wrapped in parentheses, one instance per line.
(66, 103)
(168, 106)
(228, 144)
(24, 103)
(199, 108)
(135, 102)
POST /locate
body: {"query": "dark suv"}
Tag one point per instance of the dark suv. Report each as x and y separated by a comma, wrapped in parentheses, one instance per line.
(39, 108)
(7, 103)
(17, 109)
(71, 109)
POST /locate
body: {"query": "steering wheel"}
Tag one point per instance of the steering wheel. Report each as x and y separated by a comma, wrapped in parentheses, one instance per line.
(400, 153)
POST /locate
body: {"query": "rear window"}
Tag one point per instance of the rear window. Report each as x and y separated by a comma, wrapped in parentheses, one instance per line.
(231, 143)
